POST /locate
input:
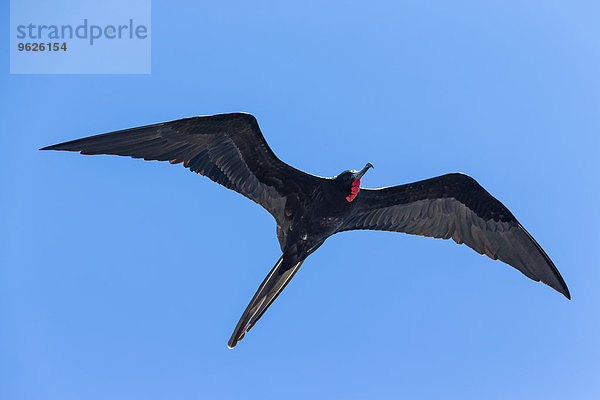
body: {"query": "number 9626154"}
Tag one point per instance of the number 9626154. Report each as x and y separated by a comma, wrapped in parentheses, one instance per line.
(50, 46)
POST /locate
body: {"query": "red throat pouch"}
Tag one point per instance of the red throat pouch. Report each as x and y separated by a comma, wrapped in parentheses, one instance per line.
(353, 191)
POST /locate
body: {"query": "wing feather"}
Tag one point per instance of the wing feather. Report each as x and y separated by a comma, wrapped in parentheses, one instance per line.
(456, 206)
(227, 148)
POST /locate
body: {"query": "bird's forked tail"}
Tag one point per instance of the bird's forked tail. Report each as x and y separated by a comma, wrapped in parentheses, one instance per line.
(274, 283)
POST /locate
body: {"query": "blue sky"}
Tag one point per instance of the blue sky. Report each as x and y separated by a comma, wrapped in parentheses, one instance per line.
(123, 279)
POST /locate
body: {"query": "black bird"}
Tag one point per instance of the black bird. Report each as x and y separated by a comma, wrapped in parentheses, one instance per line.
(231, 150)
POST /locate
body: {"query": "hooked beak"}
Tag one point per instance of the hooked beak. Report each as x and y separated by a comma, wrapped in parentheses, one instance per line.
(363, 171)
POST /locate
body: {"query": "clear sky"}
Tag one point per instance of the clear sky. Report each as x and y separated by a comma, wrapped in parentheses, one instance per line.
(123, 279)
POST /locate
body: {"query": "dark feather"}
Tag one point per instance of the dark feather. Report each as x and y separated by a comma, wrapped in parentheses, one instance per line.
(456, 206)
(227, 148)
(274, 283)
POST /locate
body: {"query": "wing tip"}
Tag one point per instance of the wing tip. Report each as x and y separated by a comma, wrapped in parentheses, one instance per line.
(565, 292)
(48, 148)
(60, 146)
(560, 288)
(562, 285)
(565, 289)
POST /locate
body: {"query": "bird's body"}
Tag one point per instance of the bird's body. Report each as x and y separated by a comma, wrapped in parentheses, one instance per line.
(312, 217)
(230, 150)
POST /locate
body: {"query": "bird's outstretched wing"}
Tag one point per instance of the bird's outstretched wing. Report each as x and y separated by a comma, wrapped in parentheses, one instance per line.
(227, 148)
(456, 206)
(274, 283)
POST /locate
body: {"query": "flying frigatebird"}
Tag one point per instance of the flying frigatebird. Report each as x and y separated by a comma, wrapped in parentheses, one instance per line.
(231, 150)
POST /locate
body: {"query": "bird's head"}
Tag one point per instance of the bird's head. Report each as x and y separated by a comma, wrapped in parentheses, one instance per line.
(348, 182)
